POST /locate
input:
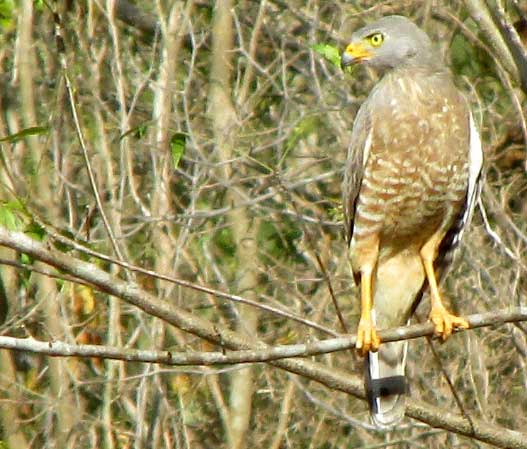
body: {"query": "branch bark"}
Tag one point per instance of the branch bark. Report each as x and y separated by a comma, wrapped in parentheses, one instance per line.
(329, 376)
(268, 354)
(181, 282)
(513, 41)
(480, 13)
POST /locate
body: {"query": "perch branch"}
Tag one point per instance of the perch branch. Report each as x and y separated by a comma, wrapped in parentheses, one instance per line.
(268, 354)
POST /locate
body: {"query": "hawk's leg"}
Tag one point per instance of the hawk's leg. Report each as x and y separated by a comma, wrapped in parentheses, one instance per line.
(367, 253)
(444, 321)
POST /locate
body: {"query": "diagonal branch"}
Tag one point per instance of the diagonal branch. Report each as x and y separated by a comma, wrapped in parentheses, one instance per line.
(58, 237)
(480, 13)
(513, 40)
(329, 376)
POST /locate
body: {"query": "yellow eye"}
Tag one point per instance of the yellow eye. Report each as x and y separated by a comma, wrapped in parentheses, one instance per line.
(376, 39)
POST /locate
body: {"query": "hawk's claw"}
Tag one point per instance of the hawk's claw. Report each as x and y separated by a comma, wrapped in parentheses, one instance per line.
(367, 338)
(445, 322)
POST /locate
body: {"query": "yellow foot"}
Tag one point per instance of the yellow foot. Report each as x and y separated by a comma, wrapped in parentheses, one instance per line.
(445, 322)
(367, 338)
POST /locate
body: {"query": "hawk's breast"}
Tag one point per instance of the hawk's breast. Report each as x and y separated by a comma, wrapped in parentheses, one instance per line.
(415, 175)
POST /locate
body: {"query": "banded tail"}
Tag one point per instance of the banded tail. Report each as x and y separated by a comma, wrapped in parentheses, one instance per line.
(397, 285)
(385, 383)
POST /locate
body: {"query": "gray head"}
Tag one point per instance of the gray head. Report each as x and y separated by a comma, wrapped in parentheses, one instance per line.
(390, 42)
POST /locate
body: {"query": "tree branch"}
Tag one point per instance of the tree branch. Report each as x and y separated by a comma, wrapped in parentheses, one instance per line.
(329, 376)
(62, 349)
(513, 41)
(480, 13)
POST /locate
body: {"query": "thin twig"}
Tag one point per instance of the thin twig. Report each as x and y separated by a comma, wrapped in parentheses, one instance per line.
(500, 56)
(495, 236)
(321, 265)
(513, 40)
(451, 385)
(217, 293)
(480, 13)
(80, 135)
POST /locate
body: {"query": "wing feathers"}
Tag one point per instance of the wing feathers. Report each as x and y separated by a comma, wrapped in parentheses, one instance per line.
(453, 237)
(358, 151)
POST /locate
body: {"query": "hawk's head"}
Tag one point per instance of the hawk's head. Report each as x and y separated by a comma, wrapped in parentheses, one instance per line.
(388, 43)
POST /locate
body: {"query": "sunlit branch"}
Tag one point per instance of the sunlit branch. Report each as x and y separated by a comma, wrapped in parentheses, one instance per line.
(62, 349)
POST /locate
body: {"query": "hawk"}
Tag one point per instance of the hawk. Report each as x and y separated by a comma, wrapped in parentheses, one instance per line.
(411, 181)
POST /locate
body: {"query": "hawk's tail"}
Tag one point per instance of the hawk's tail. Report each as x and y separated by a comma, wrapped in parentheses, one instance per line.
(397, 286)
(385, 383)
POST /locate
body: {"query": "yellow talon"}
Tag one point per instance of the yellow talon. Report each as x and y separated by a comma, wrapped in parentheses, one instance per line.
(367, 338)
(445, 322)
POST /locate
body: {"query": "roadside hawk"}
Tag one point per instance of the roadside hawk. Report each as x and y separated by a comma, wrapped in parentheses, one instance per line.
(411, 181)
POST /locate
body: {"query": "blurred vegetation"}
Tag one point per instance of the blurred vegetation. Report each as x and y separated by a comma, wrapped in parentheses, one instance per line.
(175, 196)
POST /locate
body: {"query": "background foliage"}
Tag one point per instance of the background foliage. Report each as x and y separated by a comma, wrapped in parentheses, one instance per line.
(216, 133)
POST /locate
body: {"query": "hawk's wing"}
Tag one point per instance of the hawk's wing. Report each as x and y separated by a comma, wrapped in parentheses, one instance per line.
(453, 237)
(358, 150)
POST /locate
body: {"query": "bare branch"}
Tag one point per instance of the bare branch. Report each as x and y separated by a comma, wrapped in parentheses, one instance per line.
(517, 49)
(479, 12)
(63, 349)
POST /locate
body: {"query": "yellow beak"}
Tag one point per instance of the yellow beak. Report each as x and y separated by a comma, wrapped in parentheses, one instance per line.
(354, 54)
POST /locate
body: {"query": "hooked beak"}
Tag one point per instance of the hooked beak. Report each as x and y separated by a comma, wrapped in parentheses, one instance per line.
(354, 54)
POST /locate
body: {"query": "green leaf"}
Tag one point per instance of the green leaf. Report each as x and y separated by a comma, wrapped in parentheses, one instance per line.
(15, 205)
(32, 131)
(8, 219)
(11, 217)
(278, 241)
(7, 14)
(25, 259)
(177, 147)
(35, 231)
(329, 52)
(224, 240)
